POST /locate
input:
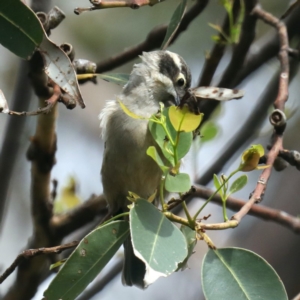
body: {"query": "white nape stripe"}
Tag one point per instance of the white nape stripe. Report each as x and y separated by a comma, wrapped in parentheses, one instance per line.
(176, 59)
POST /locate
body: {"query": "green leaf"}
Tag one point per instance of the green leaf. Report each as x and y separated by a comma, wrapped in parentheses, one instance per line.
(191, 240)
(237, 274)
(185, 138)
(184, 144)
(20, 30)
(179, 183)
(174, 24)
(209, 131)
(117, 78)
(217, 184)
(156, 241)
(152, 152)
(238, 184)
(88, 259)
(159, 135)
(183, 119)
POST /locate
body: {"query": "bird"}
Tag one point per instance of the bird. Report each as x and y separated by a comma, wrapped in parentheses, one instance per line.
(161, 76)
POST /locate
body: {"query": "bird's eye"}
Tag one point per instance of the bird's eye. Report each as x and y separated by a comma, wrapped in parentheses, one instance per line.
(180, 80)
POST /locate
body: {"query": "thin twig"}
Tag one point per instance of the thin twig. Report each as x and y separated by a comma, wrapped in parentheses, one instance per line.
(153, 40)
(260, 211)
(29, 253)
(45, 110)
(102, 4)
(174, 202)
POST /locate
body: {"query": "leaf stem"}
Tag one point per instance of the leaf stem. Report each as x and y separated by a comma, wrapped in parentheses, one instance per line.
(224, 210)
(190, 219)
(177, 219)
(208, 200)
(161, 194)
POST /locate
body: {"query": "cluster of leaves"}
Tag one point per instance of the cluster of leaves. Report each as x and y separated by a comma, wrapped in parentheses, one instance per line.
(157, 241)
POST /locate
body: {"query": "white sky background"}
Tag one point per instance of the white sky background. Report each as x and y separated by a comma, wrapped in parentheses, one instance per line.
(96, 36)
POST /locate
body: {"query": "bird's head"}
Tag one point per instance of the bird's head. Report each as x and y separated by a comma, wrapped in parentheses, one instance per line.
(163, 75)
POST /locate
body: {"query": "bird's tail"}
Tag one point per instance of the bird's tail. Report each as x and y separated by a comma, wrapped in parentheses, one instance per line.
(133, 269)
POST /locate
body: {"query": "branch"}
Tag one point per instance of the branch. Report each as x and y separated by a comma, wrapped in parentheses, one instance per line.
(281, 98)
(42, 155)
(260, 211)
(101, 4)
(283, 54)
(64, 224)
(34, 252)
(153, 40)
(44, 110)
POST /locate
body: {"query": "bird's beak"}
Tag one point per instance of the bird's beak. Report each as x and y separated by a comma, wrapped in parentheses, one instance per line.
(177, 100)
